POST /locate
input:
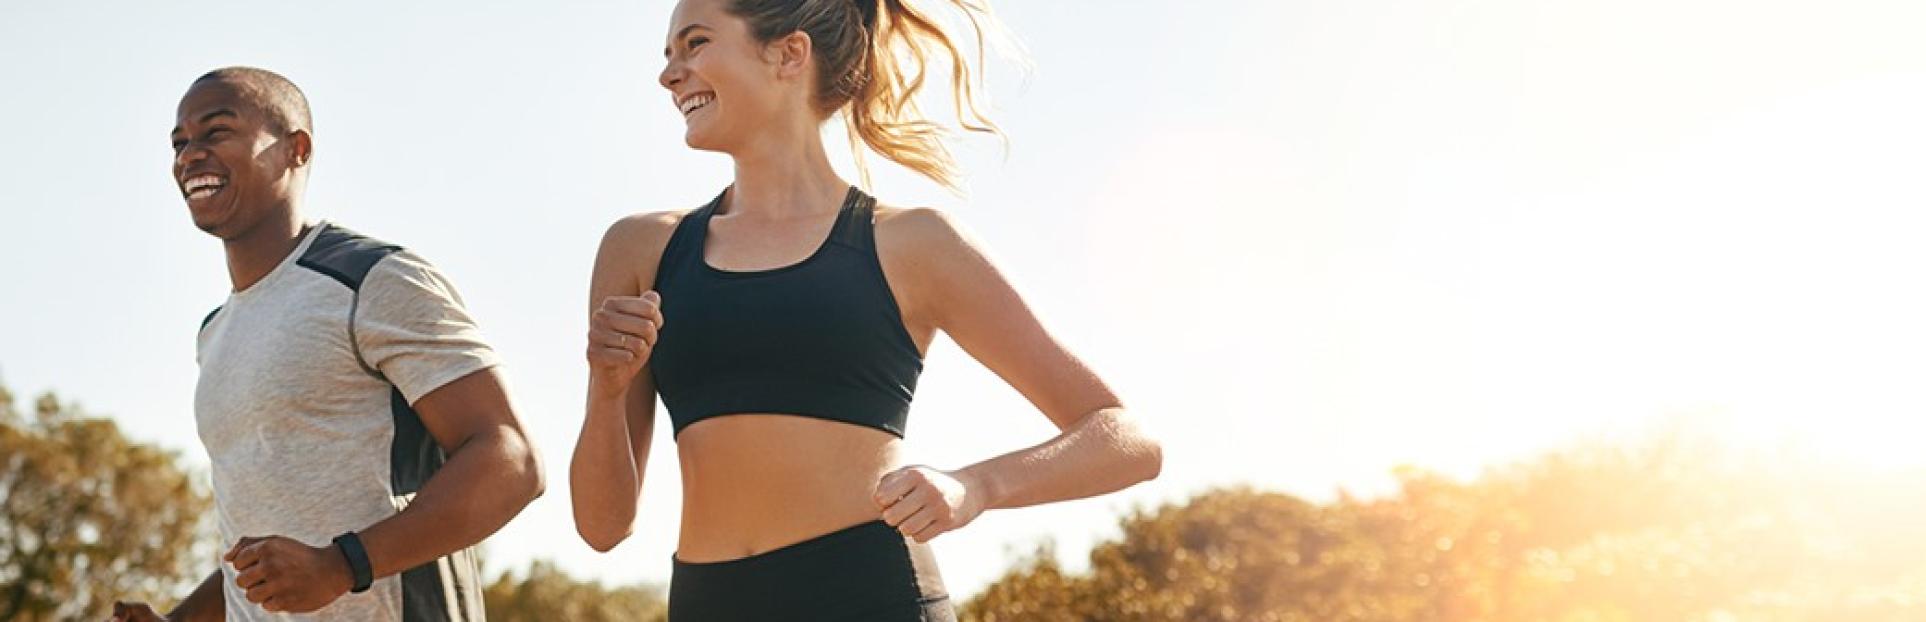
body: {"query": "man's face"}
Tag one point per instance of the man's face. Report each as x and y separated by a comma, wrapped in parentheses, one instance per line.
(230, 163)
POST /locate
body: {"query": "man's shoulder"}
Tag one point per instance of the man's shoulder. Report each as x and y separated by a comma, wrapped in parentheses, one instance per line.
(345, 255)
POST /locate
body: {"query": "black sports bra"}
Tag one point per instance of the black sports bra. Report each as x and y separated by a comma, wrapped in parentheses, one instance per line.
(819, 338)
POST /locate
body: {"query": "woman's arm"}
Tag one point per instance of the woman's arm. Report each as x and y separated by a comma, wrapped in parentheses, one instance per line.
(951, 285)
(612, 452)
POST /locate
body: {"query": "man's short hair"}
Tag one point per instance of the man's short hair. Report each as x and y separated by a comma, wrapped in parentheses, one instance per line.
(276, 96)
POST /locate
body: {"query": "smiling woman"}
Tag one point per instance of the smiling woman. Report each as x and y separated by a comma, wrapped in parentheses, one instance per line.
(784, 325)
(869, 64)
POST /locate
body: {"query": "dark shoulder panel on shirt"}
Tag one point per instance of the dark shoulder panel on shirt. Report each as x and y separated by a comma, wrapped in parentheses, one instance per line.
(344, 255)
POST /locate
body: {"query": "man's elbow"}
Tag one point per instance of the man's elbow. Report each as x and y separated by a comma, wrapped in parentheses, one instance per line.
(519, 474)
(533, 477)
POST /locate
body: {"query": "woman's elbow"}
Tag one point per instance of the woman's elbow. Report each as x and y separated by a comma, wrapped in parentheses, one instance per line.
(601, 538)
(1146, 454)
(1149, 459)
(601, 526)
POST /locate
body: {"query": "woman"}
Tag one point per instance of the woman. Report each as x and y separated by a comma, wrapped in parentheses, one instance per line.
(784, 326)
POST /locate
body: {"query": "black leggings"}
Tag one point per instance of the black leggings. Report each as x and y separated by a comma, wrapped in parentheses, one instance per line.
(866, 573)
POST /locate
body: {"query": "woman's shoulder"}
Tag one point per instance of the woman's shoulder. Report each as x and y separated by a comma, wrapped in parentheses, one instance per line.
(634, 243)
(920, 231)
(925, 235)
(645, 227)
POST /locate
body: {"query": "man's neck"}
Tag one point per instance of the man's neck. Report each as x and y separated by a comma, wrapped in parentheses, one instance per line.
(252, 256)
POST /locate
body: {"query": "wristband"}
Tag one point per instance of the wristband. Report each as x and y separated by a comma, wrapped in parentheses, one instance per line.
(358, 566)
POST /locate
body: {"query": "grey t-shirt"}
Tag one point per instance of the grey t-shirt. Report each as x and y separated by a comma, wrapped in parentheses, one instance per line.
(307, 380)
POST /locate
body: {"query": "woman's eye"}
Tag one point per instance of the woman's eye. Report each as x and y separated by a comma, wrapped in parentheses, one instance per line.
(696, 41)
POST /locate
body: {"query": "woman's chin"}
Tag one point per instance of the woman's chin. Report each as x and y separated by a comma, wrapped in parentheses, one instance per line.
(701, 141)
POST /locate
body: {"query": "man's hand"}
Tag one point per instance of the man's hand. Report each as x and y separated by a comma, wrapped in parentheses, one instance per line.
(134, 612)
(281, 574)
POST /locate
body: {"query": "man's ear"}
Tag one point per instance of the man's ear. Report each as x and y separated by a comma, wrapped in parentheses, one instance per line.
(300, 148)
(791, 53)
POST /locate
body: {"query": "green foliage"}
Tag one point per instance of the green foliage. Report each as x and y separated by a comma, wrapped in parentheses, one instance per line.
(87, 516)
(1674, 530)
(546, 593)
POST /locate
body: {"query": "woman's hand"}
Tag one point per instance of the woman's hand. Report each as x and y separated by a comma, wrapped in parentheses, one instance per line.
(923, 502)
(621, 336)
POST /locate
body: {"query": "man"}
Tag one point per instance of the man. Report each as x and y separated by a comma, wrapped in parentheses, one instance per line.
(361, 438)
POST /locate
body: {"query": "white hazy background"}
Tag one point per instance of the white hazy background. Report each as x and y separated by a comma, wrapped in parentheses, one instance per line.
(1310, 241)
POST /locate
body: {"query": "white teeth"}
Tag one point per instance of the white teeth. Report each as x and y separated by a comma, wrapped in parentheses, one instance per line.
(695, 102)
(203, 186)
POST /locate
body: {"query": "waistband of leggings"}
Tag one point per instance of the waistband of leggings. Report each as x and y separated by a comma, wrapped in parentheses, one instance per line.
(861, 532)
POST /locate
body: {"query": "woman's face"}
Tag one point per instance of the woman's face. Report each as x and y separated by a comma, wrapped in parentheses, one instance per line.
(722, 80)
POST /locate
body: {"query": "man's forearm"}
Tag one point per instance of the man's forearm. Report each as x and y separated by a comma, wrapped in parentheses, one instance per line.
(206, 603)
(483, 485)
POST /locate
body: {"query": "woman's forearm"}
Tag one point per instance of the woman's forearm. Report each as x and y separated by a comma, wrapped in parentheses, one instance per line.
(604, 479)
(1103, 452)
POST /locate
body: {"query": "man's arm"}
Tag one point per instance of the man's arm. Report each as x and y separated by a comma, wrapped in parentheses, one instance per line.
(204, 604)
(492, 472)
(411, 326)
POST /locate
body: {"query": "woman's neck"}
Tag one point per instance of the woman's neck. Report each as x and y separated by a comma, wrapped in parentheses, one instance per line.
(784, 177)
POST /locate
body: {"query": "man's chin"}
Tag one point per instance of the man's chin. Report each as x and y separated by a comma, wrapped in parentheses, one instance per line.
(208, 223)
(218, 220)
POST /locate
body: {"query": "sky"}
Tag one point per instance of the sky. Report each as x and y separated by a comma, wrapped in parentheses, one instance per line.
(1308, 242)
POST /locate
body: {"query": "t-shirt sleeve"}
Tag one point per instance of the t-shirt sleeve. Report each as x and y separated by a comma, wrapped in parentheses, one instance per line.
(410, 326)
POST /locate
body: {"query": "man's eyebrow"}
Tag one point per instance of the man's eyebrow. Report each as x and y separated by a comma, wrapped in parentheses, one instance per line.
(208, 117)
(218, 112)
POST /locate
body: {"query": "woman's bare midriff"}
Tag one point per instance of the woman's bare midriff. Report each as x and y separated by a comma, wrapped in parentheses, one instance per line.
(752, 483)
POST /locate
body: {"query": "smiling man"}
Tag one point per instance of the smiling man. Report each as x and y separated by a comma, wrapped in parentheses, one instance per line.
(360, 436)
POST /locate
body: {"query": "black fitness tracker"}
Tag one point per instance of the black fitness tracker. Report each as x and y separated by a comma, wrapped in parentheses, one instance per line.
(358, 566)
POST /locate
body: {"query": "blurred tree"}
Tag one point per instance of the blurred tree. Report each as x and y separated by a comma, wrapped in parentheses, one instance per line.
(1674, 529)
(87, 516)
(546, 593)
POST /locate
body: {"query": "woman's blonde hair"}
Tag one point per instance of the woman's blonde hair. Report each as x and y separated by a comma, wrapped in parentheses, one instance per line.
(871, 60)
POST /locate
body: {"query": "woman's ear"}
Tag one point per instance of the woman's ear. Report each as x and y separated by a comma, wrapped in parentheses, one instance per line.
(791, 53)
